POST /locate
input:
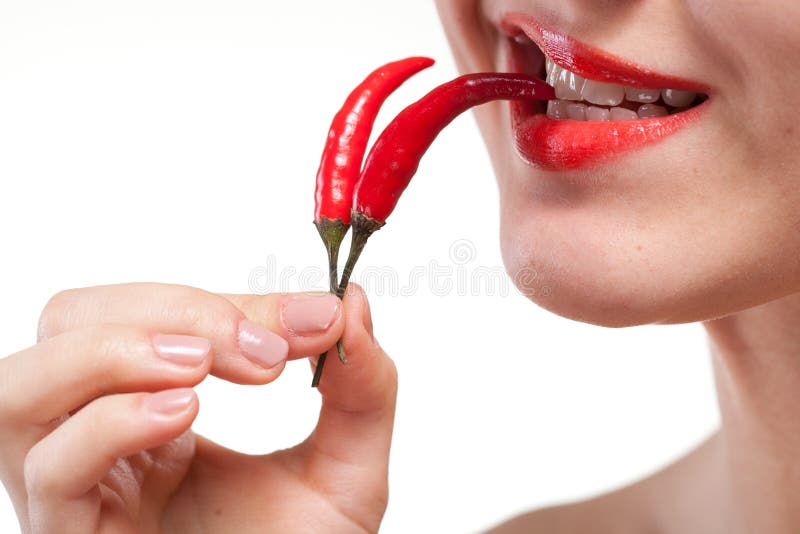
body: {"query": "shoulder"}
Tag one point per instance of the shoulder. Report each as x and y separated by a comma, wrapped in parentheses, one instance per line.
(610, 513)
(680, 494)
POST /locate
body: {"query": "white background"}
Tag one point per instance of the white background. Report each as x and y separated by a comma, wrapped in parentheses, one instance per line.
(177, 141)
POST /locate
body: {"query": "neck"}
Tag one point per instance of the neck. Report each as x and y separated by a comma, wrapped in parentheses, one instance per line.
(756, 357)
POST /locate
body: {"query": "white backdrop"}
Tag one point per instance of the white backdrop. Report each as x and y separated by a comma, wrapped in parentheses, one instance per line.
(177, 141)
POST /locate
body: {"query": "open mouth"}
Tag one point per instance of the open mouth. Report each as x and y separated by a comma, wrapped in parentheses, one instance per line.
(590, 100)
(604, 105)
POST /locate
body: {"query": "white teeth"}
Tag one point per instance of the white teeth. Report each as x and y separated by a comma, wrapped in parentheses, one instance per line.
(648, 111)
(676, 98)
(552, 72)
(646, 96)
(576, 112)
(603, 94)
(571, 89)
(568, 86)
(597, 114)
(557, 109)
(623, 114)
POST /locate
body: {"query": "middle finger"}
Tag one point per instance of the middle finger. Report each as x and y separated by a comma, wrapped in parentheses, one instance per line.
(59, 375)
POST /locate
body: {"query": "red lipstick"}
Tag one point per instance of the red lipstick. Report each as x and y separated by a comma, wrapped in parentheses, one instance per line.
(567, 144)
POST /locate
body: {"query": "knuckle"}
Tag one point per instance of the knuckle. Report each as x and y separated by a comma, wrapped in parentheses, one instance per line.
(107, 349)
(14, 406)
(198, 310)
(52, 315)
(104, 413)
(391, 369)
(36, 473)
(112, 349)
(7, 401)
(189, 309)
(392, 386)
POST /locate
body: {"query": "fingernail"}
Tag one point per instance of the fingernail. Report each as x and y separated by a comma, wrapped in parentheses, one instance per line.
(260, 345)
(171, 402)
(310, 314)
(183, 350)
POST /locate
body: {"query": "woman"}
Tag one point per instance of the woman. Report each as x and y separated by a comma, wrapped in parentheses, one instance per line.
(694, 221)
(699, 224)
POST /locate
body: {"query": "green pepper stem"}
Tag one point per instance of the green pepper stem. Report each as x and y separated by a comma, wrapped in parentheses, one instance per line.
(318, 370)
(356, 248)
(332, 233)
(363, 228)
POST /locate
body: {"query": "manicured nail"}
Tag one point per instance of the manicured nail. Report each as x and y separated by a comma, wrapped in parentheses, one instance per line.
(310, 314)
(171, 402)
(183, 350)
(260, 345)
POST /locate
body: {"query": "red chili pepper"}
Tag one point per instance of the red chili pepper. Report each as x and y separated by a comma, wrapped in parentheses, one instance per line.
(342, 156)
(396, 154)
(349, 133)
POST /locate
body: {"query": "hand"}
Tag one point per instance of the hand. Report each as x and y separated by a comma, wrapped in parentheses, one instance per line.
(95, 418)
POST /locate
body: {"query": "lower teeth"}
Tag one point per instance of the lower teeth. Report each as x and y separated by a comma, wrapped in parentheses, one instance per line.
(566, 109)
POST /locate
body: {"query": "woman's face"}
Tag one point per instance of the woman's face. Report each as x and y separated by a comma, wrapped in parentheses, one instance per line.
(668, 219)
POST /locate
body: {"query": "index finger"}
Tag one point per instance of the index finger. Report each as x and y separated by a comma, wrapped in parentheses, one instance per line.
(249, 346)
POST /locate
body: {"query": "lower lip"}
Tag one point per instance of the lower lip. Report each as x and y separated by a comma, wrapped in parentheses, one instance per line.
(559, 145)
(566, 144)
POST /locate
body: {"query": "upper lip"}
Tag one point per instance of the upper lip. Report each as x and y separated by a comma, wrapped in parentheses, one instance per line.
(590, 62)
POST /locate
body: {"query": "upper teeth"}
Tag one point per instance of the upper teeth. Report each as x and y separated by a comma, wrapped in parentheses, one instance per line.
(571, 88)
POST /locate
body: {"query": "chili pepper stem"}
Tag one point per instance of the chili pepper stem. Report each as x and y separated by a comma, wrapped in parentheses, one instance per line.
(318, 370)
(332, 232)
(363, 228)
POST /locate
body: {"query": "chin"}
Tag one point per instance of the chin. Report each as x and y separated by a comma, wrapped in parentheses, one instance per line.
(589, 266)
(567, 273)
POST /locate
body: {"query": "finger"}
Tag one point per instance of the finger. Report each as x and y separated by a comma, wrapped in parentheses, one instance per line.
(246, 349)
(370, 383)
(358, 404)
(63, 373)
(63, 470)
(310, 322)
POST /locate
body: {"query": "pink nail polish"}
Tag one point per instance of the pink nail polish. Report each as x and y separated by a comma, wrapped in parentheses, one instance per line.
(183, 350)
(260, 345)
(170, 402)
(310, 314)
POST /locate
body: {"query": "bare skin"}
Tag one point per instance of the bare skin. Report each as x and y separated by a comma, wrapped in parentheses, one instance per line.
(699, 235)
(742, 479)
(95, 418)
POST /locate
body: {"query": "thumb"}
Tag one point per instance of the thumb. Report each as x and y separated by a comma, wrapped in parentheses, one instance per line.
(368, 382)
(358, 402)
